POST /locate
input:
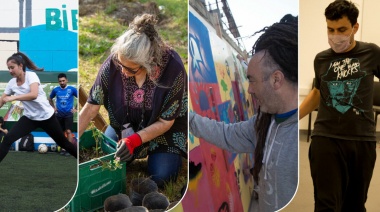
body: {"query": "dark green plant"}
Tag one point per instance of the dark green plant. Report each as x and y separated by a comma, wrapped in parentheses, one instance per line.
(111, 7)
(97, 135)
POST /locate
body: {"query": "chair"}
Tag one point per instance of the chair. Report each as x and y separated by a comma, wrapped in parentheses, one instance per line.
(376, 100)
(309, 124)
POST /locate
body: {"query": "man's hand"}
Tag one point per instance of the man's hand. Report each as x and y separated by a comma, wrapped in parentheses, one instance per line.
(126, 147)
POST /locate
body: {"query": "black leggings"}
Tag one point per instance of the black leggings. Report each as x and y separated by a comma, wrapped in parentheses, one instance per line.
(25, 125)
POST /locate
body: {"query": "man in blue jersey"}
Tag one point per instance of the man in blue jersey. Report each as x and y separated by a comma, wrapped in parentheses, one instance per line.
(64, 106)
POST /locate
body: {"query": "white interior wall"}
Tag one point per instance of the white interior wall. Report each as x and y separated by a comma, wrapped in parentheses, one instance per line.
(313, 39)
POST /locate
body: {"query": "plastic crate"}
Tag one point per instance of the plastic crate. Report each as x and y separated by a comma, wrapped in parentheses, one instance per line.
(96, 184)
(107, 144)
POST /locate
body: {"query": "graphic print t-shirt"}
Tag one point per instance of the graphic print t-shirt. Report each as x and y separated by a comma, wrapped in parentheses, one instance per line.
(345, 82)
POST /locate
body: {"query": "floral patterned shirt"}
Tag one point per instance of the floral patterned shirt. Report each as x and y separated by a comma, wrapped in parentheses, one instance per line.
(163, 95)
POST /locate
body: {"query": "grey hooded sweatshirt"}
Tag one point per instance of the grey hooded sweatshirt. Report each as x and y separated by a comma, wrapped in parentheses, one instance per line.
(278, 177)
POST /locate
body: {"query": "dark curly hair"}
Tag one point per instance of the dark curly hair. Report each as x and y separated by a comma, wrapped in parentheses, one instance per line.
(339, 8)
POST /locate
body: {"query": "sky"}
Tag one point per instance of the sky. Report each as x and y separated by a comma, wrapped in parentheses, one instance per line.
(9, 11)
(253, 15)
(9, 18)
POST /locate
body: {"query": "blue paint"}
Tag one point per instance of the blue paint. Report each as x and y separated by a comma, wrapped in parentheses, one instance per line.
(202, 68)
(223, 109)
(203, 101)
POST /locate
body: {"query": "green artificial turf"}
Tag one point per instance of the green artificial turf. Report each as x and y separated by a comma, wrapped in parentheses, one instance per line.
(30, 181)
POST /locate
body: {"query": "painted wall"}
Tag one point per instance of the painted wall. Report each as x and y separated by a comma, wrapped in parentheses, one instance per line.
(313, 39)
(47, 31)
(218, 180)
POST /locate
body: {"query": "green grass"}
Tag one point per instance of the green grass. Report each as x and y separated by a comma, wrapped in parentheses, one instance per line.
(98, 31)
(171, 188)
(96, 36)
(176, 32)
(111, 7)
(36, 182)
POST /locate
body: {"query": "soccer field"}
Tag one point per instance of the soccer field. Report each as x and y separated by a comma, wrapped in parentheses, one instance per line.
(30, 181)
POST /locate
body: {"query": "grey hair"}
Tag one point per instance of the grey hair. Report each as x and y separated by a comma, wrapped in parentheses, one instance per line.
(135, 47)
(141, 43)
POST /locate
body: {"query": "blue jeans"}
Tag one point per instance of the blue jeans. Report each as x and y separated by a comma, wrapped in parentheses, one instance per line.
(110, 132)
(164, 167)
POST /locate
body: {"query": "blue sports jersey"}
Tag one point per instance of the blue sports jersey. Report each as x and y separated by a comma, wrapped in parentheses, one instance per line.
(65, 100)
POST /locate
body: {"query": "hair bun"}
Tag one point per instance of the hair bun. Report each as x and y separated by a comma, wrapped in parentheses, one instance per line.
(145, 24)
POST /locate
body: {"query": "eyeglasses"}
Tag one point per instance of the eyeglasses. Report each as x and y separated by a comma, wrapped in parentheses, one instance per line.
(127, 68)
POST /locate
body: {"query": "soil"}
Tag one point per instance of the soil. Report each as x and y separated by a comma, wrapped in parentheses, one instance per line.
(124, 13)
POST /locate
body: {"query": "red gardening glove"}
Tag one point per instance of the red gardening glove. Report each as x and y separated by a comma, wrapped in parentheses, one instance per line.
(132, 142)
(126, 147)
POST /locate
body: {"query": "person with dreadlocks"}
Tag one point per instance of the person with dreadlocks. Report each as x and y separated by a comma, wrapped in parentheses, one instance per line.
(342, 153)
(272, 133)
(25, 86)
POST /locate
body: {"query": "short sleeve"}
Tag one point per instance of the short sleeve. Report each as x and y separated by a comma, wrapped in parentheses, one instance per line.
(53, 93)
(174, 102)
(75, 92)
(317, 79)
(377, 55)
(33, 78)
(98, 92)
(8, 89)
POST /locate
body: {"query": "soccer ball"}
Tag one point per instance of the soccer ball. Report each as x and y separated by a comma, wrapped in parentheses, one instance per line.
(42, 148)
(53, 148)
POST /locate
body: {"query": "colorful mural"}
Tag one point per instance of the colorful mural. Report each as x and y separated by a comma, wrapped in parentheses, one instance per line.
(218, 180)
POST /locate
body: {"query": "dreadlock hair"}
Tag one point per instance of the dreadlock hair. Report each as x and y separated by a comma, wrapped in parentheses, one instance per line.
(339, 8)
(20, 58)
(280, 45)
